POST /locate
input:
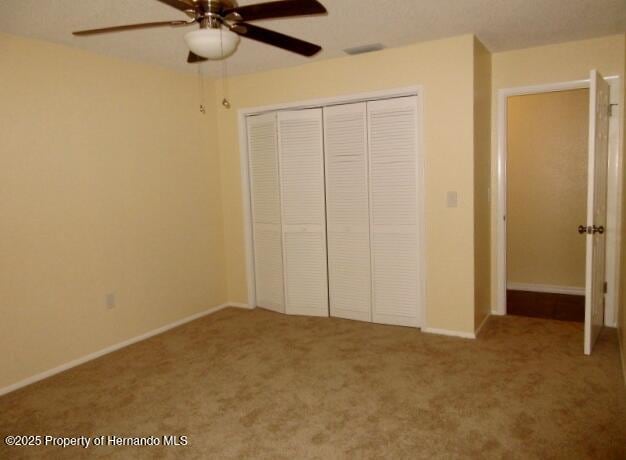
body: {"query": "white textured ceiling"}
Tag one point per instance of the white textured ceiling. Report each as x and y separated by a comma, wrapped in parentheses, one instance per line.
(500, 24)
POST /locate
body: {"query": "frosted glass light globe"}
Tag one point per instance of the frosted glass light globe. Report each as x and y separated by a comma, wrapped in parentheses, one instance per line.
(212, 43)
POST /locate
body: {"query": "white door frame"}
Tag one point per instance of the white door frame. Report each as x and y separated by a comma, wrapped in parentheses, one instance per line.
(320, 103)
(614, 187)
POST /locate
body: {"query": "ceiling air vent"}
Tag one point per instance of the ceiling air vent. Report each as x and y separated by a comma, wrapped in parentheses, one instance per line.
(365, 49)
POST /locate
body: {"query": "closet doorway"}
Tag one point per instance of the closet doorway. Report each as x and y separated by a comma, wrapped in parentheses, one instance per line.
(537, 241)
(333, 199)
(546, 201)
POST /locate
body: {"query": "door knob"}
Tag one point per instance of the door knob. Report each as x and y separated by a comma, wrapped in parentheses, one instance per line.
(591, 230)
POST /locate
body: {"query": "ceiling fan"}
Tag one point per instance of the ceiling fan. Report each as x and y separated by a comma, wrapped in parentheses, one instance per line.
(222, 22)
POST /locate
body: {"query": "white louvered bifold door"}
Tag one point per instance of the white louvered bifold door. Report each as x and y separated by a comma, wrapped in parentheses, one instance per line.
(301, 159)
(347, 201)
(265, 191)
(392, 129)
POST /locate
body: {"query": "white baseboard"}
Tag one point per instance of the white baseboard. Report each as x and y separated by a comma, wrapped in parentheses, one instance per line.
(482, 324)
(547, 288)
(463, 335)
(112, 348)
(240, 305)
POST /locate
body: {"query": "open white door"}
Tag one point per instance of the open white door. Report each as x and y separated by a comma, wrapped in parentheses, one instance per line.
(596, 208)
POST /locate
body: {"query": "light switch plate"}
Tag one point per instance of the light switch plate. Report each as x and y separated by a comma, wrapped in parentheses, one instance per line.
(452, 199)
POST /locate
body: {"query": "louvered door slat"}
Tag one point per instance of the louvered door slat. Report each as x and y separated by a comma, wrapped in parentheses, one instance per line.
(303, 211)
(392, 130)
(347, 200)
(265, 191)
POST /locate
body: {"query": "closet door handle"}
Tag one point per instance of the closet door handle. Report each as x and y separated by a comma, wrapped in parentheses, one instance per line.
(583, 229)
(599, 229)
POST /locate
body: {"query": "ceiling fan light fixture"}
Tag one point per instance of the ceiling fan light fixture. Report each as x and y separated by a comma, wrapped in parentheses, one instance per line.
(212, 43)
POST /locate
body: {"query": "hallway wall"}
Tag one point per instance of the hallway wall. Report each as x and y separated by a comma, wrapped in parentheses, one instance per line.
(547, 188)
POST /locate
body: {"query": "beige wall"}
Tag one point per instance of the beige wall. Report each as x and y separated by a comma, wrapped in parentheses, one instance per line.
(109, 182)
(547, 187)
(549, 64)
(445, 69)
(482, 179)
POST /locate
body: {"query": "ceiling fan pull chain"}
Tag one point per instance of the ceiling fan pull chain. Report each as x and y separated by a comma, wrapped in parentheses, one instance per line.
(225, 101)
(201, 89)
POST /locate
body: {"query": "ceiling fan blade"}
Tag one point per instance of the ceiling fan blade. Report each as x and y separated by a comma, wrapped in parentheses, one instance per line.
(276, 39)
(182, 5)
(280, 9)
(193, 58)
(146, 25)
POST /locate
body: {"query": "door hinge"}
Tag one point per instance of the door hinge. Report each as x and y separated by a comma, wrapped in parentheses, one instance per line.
(611, 109)
(606, 287)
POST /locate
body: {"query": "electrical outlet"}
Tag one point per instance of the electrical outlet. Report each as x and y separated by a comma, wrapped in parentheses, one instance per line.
(110, 301)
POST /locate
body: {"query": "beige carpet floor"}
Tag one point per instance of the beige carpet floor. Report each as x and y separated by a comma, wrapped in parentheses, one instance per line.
(255, 384)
